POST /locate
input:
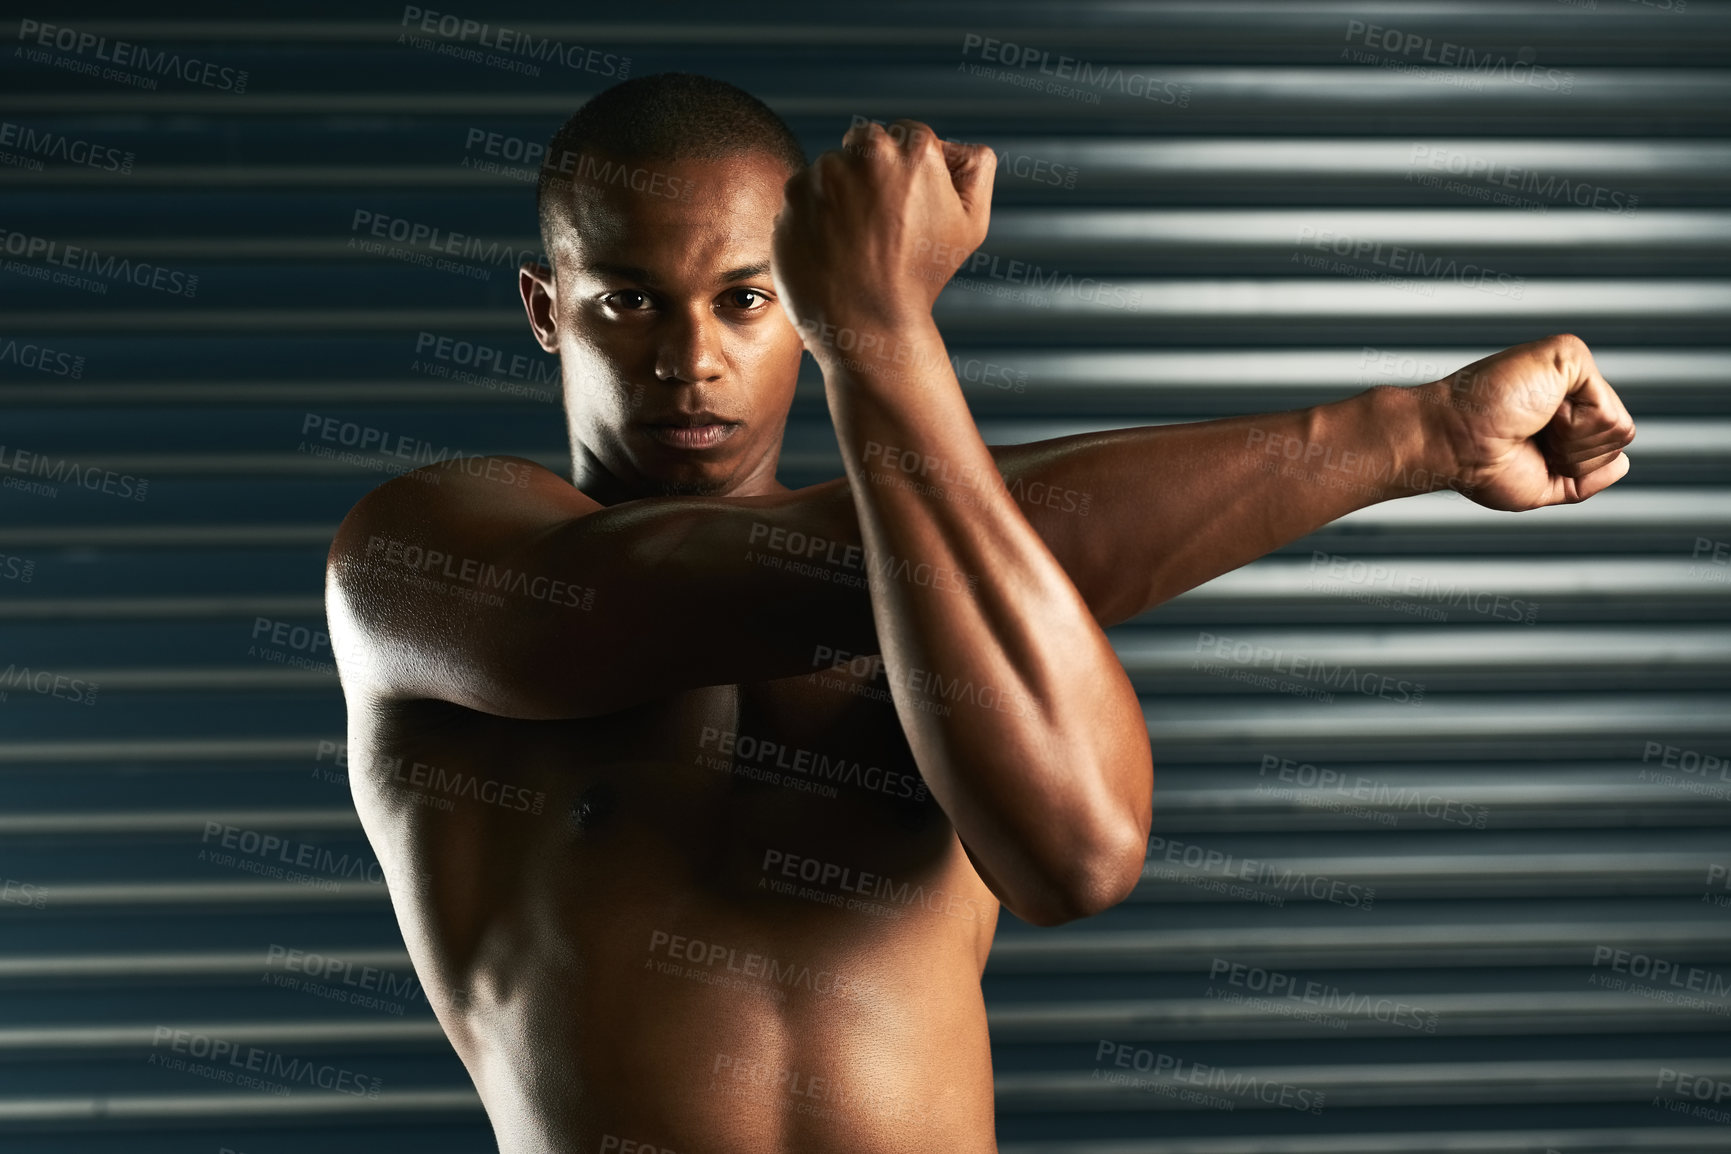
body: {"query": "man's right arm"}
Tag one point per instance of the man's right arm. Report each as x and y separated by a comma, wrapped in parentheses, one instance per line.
(532, 601)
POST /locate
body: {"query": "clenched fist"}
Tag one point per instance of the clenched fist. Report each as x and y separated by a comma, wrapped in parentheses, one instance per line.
(1530, 426)
(868, 236)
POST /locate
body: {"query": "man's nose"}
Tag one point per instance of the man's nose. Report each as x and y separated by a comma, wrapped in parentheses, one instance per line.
(690, 349)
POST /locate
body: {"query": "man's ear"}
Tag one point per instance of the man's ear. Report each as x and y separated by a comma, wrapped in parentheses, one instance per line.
(540, 301)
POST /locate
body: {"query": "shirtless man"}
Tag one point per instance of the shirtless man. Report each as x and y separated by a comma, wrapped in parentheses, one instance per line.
(698, 796)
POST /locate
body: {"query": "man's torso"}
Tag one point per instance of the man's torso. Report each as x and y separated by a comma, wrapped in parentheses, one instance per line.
(734, 919)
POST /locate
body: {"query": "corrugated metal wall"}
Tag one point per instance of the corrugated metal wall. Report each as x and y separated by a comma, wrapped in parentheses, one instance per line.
(1510, 928)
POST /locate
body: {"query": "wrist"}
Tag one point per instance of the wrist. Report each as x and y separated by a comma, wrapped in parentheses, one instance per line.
(1385, 442)
(1407, 422)
(873, 344)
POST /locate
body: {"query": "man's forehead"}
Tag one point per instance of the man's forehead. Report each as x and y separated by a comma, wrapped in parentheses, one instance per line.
(643, 216)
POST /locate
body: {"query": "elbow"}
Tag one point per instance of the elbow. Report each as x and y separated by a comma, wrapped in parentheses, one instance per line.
(1095, 880)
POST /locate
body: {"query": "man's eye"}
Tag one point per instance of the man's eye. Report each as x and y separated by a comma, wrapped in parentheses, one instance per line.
(628, 301)
(746, 298)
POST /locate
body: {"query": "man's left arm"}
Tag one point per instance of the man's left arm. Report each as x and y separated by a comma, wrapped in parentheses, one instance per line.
(1140, 515)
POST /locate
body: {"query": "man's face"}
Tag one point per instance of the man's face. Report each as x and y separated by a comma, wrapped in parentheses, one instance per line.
(678, 362)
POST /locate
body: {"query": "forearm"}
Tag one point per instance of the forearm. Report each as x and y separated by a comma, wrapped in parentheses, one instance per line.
(1021, 718)
(1137, 516)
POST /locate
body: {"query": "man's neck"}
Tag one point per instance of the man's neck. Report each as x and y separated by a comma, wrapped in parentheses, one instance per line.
(602, 486)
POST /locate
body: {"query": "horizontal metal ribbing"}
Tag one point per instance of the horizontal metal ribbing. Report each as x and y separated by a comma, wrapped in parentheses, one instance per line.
(183, 966)
(182, 749)
(1081, 237)
(1599, 96)
(392, 1106)
(1536, 165)
(326, 1032)
(14, 823)
(315, 890)
(1308, 1008)
(1467, 872)
(1386, 1084)
(1610, 1140)
(1432, 944)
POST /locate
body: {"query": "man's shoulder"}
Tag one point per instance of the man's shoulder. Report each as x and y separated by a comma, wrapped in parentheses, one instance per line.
(446, 495)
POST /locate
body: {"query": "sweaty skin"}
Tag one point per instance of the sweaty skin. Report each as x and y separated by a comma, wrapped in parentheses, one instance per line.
(697, 809)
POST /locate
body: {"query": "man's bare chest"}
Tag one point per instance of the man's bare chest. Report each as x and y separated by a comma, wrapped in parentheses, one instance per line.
(712, 787)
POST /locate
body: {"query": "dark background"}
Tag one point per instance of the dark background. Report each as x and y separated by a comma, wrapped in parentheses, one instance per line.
(1582, 738)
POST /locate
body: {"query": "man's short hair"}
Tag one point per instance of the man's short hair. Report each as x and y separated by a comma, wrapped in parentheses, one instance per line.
(669, 116)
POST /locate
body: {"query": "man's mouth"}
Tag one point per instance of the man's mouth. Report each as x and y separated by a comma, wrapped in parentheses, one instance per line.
(702, 430)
